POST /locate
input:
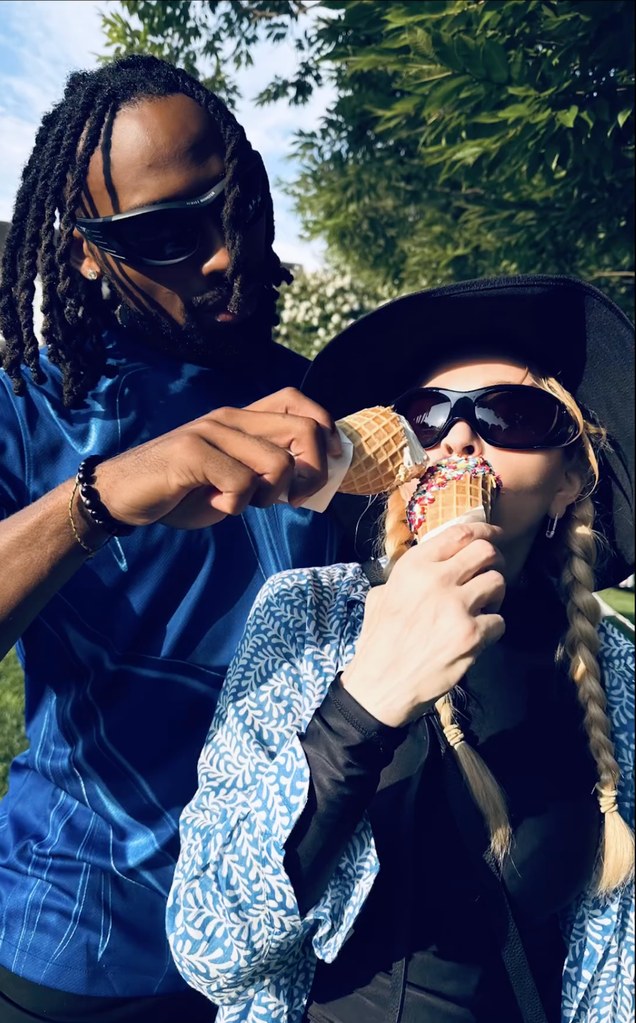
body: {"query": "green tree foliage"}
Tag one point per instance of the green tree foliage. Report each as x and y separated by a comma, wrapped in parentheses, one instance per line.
(468, 137)
(212, 39)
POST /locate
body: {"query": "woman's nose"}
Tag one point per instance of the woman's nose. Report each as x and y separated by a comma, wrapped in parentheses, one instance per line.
(461, 439)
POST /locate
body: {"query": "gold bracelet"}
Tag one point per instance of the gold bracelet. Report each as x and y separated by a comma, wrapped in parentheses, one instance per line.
(91, 551)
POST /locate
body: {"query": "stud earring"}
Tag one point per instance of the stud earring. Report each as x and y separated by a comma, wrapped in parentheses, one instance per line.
(92, 275)
(551, 527)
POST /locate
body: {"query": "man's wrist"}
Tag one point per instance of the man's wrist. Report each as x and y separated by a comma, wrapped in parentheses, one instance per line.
(87, 535)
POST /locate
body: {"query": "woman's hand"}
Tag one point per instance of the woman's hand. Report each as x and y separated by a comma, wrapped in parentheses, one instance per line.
(425, 628)
(217, 464)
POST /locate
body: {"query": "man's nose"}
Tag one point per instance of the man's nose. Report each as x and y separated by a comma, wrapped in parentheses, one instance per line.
(213, 250)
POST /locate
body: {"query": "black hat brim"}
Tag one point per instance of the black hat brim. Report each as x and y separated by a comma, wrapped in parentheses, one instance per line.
(560, 325)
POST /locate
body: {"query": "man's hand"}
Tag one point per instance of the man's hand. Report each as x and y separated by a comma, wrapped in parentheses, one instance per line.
(218, 464)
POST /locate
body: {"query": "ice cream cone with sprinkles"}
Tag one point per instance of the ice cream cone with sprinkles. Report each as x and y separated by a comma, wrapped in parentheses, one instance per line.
(455, 489)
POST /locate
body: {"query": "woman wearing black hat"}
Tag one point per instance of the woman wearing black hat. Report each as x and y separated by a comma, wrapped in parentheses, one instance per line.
(349, 856)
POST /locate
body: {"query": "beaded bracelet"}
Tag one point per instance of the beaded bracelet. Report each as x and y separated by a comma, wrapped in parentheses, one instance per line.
(91, 551)
(92, 503)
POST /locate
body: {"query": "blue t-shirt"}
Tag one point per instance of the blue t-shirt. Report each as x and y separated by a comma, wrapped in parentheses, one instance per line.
(123, 668)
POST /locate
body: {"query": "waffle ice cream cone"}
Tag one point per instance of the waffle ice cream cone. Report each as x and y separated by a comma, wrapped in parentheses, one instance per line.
(454, 489)
(386, 452)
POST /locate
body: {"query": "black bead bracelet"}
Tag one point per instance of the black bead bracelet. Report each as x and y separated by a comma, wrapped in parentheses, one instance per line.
(92, 503)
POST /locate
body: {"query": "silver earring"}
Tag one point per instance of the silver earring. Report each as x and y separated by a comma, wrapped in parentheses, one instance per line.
(92, 275)
(551, 527)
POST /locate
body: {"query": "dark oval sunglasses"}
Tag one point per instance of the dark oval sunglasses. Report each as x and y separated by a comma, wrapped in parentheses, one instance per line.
(162, 234)
(514, 416)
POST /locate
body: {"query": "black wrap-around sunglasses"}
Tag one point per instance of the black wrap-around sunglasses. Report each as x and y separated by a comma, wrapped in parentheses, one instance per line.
(158, 235)
(513, 416)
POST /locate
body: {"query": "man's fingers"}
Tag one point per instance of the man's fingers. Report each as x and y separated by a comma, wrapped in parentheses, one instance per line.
(303, 438)
(292, 402)
(235, 462)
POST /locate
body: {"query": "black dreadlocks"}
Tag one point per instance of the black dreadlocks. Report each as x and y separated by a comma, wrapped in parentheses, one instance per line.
(74, 313)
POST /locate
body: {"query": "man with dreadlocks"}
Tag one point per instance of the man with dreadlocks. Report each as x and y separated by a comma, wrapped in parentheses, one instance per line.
(148, 218)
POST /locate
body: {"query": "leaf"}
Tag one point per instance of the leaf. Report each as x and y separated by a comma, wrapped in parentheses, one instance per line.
(442, 92)
(623, 116)
(495, 62)
(468, 55)
(567, 117)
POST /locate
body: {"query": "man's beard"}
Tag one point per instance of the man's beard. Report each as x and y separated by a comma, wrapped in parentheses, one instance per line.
(203, 340)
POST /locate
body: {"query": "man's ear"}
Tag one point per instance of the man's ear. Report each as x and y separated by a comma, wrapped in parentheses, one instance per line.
(571, 486)
(81, 258)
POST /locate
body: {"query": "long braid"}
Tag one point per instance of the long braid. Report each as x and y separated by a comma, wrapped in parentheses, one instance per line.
(74, 315)
(87, 353)
(581, 644)
(40, 244)
(483, 785)
(13, 253)
(64, 291)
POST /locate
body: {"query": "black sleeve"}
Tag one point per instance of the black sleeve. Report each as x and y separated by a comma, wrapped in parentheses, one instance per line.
(346, 749)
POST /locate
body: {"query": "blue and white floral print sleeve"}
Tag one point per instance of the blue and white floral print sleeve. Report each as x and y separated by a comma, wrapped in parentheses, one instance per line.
(233, 922)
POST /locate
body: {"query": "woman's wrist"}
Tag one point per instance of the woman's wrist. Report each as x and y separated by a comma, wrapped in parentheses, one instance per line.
(367, 724)
(377, 699)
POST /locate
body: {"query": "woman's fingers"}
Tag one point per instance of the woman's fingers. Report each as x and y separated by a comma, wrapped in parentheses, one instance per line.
(484, 591)
(456, 538)
(491, 627)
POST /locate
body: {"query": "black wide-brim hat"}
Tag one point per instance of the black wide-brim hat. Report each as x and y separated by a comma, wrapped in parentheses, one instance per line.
(564, 327)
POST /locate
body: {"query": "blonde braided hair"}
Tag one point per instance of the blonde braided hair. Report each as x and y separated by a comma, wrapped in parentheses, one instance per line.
(581, 644)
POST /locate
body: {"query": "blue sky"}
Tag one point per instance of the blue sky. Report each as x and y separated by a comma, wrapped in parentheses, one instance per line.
(42, 41)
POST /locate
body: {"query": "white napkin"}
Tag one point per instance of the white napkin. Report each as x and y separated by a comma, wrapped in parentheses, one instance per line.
(336, 472)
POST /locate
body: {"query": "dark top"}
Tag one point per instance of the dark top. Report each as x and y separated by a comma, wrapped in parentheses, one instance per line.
(521, 712)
